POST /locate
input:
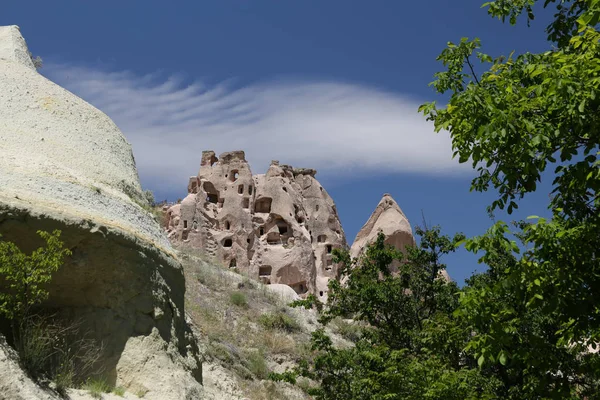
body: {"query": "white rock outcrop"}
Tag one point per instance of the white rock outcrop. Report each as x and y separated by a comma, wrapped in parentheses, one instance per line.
(65, 165)
(280, 227)
(389, 219)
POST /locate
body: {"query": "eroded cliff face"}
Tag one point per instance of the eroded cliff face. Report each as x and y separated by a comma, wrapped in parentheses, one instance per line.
(389, 219)
(65, 165)
(280, 227)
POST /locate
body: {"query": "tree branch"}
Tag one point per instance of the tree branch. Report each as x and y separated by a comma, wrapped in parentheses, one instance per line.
(472, 70)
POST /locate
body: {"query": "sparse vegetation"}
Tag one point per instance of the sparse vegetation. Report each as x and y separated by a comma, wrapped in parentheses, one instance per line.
(149, 196)
(57, 350)
(96, 387)
(279, 320)
(256, 364)
(245, 327)
(25, 276)
(350, 330)
(49, 347)
(119, 391)
(37, 61)
(238, 299)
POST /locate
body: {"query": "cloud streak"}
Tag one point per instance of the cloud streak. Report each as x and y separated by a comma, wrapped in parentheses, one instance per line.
(337, 128)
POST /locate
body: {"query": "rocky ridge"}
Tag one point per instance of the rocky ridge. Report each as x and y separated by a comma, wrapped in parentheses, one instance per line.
(280, 227)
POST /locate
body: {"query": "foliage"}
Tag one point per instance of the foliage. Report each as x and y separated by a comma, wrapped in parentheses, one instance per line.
(238, 299)
(96, 387)
(37, 61)
(536, 310)
(255, 362)
(119, 391)
(279, 320)
(411, 347)
(149, 197)
(351, 331)
(308, 303)
(47, 346)
(25, 276)
(52, 348)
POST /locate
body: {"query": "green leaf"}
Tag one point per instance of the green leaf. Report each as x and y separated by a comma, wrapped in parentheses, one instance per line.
(502, 358)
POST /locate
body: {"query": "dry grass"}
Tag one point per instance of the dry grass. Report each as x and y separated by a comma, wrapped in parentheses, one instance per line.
(58, 349)
(243, 325)
(265, 390)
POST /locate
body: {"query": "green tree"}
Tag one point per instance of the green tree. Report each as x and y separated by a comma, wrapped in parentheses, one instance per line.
(25, 276)
(537, 309)
(412, 345)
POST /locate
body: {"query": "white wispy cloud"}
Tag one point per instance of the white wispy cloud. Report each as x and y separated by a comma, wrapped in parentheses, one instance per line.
(337, 128)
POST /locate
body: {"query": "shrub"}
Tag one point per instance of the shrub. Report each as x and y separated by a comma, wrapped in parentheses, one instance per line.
(226, 354)
(278, 342)
(279, 320)
(46, 346)
(37, 61)
(255, 362)
(26, 275)
(149, 197)
(351, 331)
(238, 299)
(57, 350)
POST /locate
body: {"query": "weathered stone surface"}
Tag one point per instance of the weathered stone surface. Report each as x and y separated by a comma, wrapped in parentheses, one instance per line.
(14, 383)
(279, 227)
(65, 165)
(13, 47)
(284, 292)
(389, 219)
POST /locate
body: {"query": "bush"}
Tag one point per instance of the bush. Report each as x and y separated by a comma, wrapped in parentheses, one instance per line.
(47, 346)
(279, 320)
(255, 362)
(149, 197)
(37, 61)
(351, 331)
(278, 342)
(226, 354)
(57, 350)
(26, 275)
(238, 299)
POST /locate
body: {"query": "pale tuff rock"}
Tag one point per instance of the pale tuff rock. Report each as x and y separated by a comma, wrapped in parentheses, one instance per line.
(389, 219)
(279, 227)
(13, 47)
(284, 292)
(14, 383)
(65, 165)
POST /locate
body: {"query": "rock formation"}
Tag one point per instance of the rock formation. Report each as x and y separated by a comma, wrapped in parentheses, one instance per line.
(389, 219)
(279, 228)
(65, 165)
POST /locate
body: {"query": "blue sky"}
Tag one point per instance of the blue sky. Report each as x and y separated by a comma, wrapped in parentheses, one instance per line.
(331, 85)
